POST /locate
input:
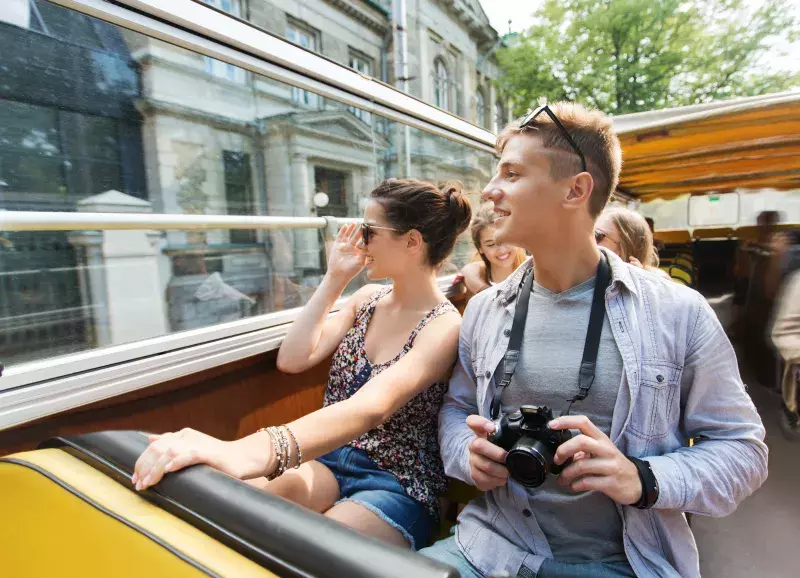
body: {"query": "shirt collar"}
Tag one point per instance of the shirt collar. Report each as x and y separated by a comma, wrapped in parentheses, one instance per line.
(620, 274)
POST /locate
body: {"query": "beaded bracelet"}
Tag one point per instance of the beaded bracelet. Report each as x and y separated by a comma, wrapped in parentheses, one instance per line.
(281, 446)
(276, 446)
(297, 446)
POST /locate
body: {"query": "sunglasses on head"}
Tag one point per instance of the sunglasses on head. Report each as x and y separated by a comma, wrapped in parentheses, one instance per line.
(367, 231)
(531, 116)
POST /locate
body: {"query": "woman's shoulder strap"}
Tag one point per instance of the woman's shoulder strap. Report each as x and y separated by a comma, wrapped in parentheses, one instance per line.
(440, 309)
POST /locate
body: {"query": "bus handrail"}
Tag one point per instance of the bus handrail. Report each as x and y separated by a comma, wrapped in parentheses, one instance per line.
(72, 221)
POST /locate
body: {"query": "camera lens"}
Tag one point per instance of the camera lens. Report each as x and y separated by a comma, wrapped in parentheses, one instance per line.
(529, 462)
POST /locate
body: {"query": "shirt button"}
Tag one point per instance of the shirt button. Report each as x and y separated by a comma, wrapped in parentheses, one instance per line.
(488, 374)
(507, 332)
(659, 378)
(527, 513)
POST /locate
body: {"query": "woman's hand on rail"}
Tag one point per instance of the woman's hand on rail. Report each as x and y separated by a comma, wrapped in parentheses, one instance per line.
(170, 452)
(347, 257)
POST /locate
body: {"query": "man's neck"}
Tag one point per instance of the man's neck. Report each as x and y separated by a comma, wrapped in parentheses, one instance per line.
(565, 264)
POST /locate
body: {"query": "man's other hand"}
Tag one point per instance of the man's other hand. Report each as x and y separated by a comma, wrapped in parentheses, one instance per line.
(486, 460)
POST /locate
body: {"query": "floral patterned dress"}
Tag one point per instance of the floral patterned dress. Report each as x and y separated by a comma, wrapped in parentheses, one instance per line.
(406, 444)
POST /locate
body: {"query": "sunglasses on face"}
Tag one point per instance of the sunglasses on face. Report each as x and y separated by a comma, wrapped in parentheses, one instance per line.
(367, 231)
(600, 236)
(531, 116)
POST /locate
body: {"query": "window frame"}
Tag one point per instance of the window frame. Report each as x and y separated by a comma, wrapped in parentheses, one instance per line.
(298, 27)
(50, 385)
(441, 84)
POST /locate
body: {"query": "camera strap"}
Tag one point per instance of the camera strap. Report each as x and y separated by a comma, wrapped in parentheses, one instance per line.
(590, 347)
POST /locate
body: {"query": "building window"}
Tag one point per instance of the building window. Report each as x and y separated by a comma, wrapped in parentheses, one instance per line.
(500, 119)
(52, 158)
(308, 38)
(480, 108)
(216, 67)
(361, 64)
(441, 84)
(239, 192)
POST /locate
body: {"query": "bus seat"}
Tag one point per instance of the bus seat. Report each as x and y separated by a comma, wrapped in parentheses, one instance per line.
(69, 509)
(681, 275)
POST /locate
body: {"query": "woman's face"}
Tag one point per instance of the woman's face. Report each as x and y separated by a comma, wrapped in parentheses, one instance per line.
(386, 251)
(498, 254)
(607, 235)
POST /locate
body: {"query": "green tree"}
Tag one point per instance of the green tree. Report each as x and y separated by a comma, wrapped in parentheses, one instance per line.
(626, 56)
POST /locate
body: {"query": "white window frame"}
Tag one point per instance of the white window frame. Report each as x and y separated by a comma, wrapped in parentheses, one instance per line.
(441, 84)
(480, 108)
(47, 386)
(499, 123)
(308, 38)
(363, 65)
(216, 67)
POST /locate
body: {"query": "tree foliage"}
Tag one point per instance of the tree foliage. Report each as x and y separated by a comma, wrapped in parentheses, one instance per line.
(626, 56)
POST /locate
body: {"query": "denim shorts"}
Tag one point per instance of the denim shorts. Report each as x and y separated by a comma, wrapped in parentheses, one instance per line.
(363, 482)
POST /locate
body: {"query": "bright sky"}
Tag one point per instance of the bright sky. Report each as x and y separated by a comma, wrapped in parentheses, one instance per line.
(521, 15)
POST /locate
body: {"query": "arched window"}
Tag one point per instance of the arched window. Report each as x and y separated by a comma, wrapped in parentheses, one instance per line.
(480, 108)
(499, 116)
(441, 84)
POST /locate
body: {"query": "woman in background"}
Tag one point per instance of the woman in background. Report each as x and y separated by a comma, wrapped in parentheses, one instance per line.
(494, 262)
(627, 234)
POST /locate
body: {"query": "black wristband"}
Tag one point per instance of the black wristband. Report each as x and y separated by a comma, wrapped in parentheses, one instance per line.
(649, 484)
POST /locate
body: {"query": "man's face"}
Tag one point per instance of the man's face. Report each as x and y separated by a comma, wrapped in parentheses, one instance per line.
(528, 199)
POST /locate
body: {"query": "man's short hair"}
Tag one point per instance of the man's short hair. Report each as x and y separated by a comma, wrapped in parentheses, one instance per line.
(594, 134)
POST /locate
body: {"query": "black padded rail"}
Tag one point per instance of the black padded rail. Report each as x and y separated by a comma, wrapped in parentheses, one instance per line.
(273, 532)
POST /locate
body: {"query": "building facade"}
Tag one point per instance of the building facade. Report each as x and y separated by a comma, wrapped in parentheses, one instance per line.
(189, 134)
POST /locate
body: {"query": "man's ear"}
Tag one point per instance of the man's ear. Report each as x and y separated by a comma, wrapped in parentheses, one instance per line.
(580, 190)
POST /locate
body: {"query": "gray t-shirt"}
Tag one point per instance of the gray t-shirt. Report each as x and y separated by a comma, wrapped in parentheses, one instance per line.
(579, 527)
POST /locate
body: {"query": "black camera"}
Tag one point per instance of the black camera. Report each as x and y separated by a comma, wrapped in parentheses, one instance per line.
(530, 443)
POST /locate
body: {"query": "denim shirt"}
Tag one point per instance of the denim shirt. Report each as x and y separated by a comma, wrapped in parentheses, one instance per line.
(680, 381)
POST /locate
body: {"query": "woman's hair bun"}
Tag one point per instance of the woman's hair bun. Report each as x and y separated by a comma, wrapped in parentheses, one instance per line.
(458, 205)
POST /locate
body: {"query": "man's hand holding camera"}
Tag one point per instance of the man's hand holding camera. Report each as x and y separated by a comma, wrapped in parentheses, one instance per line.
(486, 460)
(597, 464)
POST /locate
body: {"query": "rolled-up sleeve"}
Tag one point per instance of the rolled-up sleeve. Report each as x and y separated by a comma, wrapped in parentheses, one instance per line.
(459, 402)
(729, 462)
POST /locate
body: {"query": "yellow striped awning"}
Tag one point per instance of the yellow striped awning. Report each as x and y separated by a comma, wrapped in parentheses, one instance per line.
(745, 143)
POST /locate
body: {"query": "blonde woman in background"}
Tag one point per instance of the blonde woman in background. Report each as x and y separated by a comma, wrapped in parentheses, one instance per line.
(494, 261)
(627, 234)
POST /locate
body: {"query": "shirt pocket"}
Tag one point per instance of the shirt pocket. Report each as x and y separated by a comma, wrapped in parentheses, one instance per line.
(655, 408)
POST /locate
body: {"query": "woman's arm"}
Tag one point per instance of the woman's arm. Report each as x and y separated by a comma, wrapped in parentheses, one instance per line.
(312, 337)
(429, 361)
(475, 276)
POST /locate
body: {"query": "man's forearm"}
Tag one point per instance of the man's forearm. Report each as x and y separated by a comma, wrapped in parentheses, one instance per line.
(689, 478)
(454, 439)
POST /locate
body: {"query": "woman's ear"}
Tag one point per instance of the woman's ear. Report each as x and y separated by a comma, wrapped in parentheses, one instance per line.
(414, 242)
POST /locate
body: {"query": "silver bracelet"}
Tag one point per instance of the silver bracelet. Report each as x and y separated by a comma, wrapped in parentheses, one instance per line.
(297, 446)
(277, 449)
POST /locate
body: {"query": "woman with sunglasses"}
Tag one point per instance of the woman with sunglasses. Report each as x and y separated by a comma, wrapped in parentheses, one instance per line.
(370, 457)
(627, 234)
(494, 261)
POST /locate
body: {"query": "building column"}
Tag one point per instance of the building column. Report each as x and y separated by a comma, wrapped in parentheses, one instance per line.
(306, 241)
(121, 280)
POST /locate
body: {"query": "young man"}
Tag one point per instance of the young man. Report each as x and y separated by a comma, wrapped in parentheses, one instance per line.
(665, 373)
